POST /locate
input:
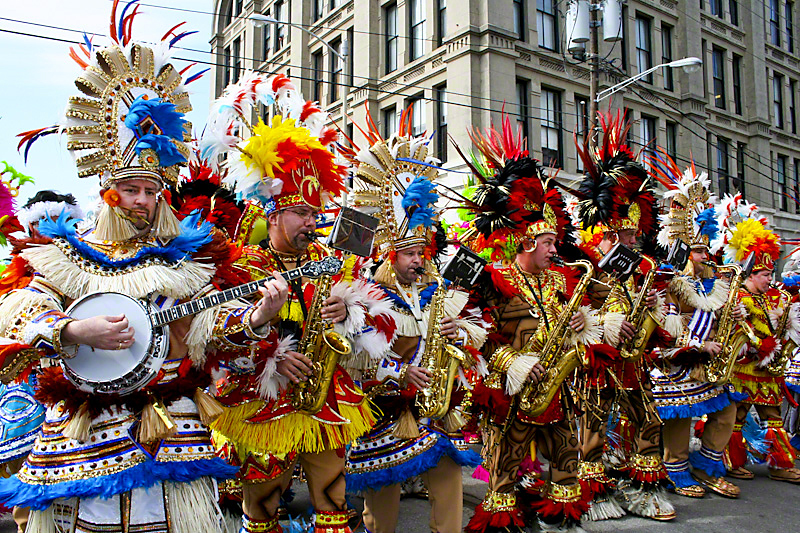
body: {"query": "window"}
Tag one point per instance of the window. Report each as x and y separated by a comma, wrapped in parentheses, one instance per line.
(441, 21)
(239, 6)
(417, 114)
(733, 7)
(582, 124)
(788, 15)
(237, 59)
(647, 132)
(280, 29)
(718, 73)
(331, 6)
(738, 183)
(796, 185)
(229, 13)
(390, 16)
(644, 51)
(523, 109)
(775, 22)
(737, 84)
(628, 121)
(417, 18)
(547, 23)
(703, 49)
(440, 102)
(722, 165)
(792, 106)
(624, 48)
(715, 6)
(226, 65)
(267, 35)
(666, 56)
(777, 99)
(389, 119)
(551, 128)
(318, 7)
(519, 20)
(335, 67)
(672, 140)
(782, 202)
(316, 64)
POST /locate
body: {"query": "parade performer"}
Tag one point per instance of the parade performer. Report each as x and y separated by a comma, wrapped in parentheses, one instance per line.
(539, 328)
(791, 284)
(286, 167)
(141, 460)
(775, 322)
(616, 204)
(693, 301)
(438, 333)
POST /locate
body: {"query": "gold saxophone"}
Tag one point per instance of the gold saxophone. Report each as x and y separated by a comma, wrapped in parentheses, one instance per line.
(731, 334)
(440, 358)
(324, 347)
(558, 364)
(641, 317)
(778, 365)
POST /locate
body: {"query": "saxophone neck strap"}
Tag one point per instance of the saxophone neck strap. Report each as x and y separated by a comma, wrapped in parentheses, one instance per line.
(295, 285)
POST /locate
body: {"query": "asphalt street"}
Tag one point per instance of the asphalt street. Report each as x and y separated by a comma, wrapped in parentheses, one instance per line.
(765, 507)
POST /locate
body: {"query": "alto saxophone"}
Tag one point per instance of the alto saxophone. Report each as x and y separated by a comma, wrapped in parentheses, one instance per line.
(324, 347)
(731, 334)
(440, 358)
(558, 364)
(641, 317)
(778, 365)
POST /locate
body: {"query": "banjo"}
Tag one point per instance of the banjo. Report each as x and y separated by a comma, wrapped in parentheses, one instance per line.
(124, 371)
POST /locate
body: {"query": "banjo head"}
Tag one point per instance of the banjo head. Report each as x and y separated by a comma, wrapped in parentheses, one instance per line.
(117, 371)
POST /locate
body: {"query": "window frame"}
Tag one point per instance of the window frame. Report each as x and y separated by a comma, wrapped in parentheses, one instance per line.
(389, 120)
(335, 70)
(542, 16)
(777, 100)
(723, 168)
(646, 53)
(718, 77)
(557, 126)
(416, 42)
(774, 22)
(666, 56)
(392, 37)
(440, 114)
(736, 65)
(317, 66)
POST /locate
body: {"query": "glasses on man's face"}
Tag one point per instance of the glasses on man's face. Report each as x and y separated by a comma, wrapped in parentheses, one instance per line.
(305, 214)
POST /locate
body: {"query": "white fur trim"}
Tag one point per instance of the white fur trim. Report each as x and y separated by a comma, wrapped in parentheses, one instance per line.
(684, 289)
(518, 373)
(612, 326)
(474, 326)
(673, 325)
(270, 383)
(647, 503)
(606, 509)
(178, 282)
(592, 332)
(201, 330)
(41, 210)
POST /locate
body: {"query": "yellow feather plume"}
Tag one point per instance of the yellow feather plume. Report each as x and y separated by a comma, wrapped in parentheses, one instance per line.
(747, 233)
(268, 145)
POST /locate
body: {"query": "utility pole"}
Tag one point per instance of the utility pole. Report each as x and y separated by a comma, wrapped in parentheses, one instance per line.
(594, 72)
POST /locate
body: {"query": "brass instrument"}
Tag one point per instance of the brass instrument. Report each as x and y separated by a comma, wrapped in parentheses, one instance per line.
(324, 347)
(641, 317)
(731, 334)
(557, 362)
(440, 358)
(778, 365)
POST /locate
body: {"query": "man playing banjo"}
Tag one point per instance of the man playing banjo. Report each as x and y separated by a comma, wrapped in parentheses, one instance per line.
(139, 457)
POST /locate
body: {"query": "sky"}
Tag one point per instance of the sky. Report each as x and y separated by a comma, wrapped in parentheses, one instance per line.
(38, 75)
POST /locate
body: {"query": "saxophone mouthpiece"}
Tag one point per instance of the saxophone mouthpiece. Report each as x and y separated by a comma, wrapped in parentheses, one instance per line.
(419, 271)
(557, 260)
(313, 235)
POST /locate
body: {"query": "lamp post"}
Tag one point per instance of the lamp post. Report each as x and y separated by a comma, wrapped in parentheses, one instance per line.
(689, 65)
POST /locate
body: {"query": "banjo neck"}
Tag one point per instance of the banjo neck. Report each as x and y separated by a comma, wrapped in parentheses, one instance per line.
(313, 269)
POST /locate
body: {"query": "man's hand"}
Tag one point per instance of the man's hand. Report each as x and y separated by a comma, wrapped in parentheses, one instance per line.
(274, 294)
(103, 332)
(652, 299)
(577, 322)
(418, 376)
(536, 373)
(295, 366)
(739, 312)
(449, 328)
(711, 348)
(626, 330)
(333, 309)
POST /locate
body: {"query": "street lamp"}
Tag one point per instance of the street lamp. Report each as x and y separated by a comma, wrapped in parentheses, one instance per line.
(689, 65)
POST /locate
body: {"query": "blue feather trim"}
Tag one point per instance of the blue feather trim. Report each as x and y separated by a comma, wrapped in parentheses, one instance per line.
(712, 405)
(707, 465)
(682, 479)
(755, 438)
(793, 387)
(14, 492)
(166, 116)
(417, 202)
(195, 233)
(424, 296)
(163, 146)
(413, 467)
(795, 442)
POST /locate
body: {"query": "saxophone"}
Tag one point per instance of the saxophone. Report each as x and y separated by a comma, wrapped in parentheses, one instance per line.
(440, 358)
(642, 319)
(558, 364)
(778, 365)
(731, 334)
(324, 347)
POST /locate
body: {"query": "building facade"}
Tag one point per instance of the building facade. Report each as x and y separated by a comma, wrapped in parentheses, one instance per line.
(462, 63)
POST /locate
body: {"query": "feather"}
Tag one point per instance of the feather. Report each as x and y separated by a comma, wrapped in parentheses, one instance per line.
(29, 137)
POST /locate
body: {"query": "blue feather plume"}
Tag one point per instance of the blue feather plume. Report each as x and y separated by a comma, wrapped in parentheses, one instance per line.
(792, 281)
(165, 115)
(418, 201)
(167, 150)
(707, 221)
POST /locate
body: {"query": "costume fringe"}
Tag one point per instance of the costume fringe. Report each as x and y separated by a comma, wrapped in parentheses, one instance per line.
(156, 423)
(712, 405)
(270, 382)
(648, 503)
(476, 328)
(612, 326)
(293, 432)
(673, 324)
(201, 330)
(406, 427)
(192, 507)
(483, 520)
(519, 372)
(711, 467)
(407, 325)
(17, 302)
(110, 226)
(166, 225)
(42, 521)
(781, 453)
(80, 424)
(604, 507)
(454, 420)
(370, 344)
(208, 407)
(684, 289)
(681, 478)
(179, 281)
(383, 274)
(660, 311)
(592, 332)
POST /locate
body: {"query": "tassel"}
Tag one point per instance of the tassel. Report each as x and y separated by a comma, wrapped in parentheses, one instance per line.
(79, 425)
(156, 423)
(453, 421)
(406, 427)
(208, 407)
(110, 226)
(42, 521)
(165, 225)
(383, 274)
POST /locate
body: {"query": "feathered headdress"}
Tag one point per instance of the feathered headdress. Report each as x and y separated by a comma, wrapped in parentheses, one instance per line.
(616, 192)
(691, 216)
(743, 230)
(204, 191)
(512, 199)
(280, 164)
(10, 182)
